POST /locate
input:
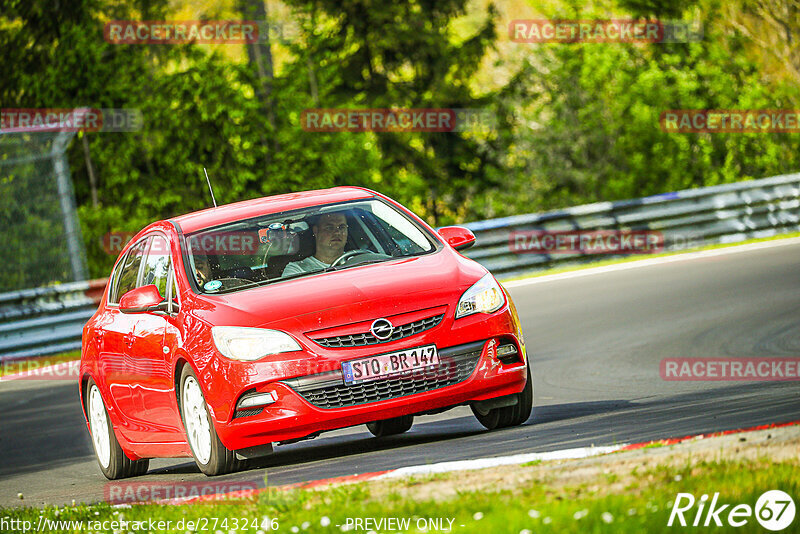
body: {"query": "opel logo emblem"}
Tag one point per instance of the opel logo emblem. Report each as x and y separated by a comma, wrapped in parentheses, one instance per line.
(382, 329)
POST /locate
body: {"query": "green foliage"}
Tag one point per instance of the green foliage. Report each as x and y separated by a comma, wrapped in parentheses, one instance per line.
(594, 112)
(402, 55)
(576, 123)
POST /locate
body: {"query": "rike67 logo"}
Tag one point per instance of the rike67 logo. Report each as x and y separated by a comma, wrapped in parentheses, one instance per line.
(774, 510)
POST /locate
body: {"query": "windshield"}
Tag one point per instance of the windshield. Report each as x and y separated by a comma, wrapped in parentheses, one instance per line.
(305, 242)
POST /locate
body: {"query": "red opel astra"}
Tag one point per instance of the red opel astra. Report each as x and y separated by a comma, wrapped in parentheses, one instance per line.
(225, 331)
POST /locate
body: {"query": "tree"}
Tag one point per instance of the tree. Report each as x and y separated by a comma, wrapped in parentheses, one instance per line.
(595, 132)
(364, 54)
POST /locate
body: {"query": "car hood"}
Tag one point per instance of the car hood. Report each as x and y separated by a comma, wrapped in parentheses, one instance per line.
(352, 295)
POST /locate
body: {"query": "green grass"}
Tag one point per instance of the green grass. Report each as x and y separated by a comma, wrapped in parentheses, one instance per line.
(638, 257)
(592, 506)
(27, 364)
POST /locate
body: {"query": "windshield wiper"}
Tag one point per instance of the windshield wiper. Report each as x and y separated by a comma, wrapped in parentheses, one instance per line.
(289, 277)
(264, 282)
(246, 283)
(346, 265)
(250, 283)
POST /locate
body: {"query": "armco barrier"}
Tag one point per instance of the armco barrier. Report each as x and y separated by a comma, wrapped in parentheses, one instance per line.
(43, 321)
(720, 214)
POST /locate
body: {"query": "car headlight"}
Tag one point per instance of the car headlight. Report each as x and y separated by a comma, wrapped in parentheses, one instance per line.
(485, 296)
(248, 344)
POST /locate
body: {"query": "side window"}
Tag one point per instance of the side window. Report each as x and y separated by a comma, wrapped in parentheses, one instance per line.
(156, 267)
(413, 241)
(406, 245)
(129, 274)
(360, 235)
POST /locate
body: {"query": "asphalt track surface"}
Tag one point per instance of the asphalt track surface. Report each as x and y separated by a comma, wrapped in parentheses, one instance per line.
(595, 343)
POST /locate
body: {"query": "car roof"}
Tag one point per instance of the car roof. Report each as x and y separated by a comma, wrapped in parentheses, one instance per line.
(198, 220)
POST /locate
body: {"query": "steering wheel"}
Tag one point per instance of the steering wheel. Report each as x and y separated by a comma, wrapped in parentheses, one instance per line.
(349, 254)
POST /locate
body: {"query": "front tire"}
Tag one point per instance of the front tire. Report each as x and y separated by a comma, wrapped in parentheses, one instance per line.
(509, 415)
(210, 455)
(391, 427)
(113, 461)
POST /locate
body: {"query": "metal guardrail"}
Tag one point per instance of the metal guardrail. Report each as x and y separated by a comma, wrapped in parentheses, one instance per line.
(44, 321)
(694, 217)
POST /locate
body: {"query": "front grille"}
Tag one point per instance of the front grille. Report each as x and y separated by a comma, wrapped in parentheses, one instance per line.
(328, 390)
(366, 338)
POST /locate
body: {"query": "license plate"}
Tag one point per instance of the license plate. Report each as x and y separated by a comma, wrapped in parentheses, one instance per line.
(393, 363)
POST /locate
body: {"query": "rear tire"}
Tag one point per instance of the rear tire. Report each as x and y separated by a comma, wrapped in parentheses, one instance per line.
(509, 415)
(113, 461)
(210, 455)
(391, 427)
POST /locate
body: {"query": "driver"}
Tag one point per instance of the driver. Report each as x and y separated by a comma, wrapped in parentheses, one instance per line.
(330, 233)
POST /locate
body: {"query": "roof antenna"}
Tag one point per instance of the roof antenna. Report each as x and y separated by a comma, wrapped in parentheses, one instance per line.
(209, 188)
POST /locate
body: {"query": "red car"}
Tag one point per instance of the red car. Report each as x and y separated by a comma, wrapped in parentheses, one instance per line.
(268, 321)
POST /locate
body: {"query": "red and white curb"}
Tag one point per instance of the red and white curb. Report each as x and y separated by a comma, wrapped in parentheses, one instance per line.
(469, 465)
(442, 467)
(483, 463)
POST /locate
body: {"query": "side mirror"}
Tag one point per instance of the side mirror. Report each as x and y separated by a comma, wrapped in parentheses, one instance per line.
(458, 237)
(142, 299)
